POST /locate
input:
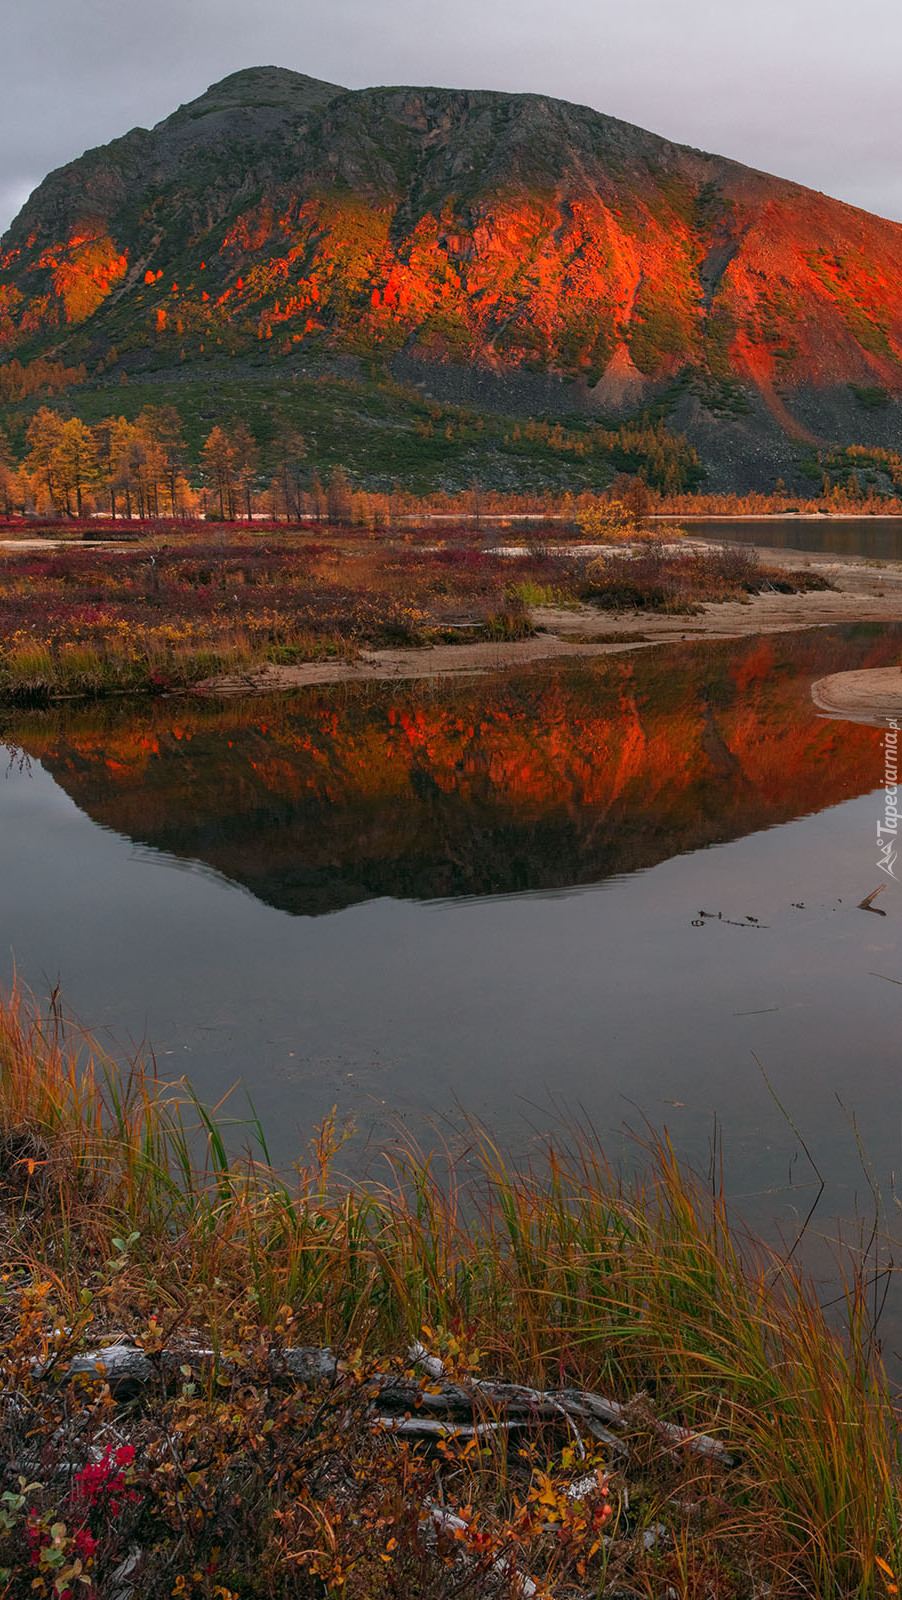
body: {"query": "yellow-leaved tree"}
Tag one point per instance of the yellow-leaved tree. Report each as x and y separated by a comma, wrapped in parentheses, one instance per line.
(613, 522)
(608, 521)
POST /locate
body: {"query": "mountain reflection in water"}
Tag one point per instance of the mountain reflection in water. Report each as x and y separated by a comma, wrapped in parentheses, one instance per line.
(484, 786)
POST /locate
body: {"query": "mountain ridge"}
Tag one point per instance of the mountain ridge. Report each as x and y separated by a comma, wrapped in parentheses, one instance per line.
(531, 253)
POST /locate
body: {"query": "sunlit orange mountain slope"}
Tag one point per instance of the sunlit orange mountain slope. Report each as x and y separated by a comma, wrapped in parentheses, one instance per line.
(510, 250)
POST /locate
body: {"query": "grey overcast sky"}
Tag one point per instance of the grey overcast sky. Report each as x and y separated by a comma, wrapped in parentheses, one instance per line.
(808, 89)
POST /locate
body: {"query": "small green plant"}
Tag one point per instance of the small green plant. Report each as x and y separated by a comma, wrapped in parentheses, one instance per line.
(871, 397)
(532, 593)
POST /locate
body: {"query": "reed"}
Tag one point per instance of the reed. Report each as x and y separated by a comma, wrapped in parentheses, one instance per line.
(122, 1198)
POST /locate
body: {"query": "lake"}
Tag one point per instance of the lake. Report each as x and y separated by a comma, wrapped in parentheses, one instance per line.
(875, 538)
(623, 889)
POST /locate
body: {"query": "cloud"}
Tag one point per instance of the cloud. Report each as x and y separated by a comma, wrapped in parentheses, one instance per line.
(806, 89)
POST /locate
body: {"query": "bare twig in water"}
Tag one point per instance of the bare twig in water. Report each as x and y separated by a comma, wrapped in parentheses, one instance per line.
(811, 1162)
(867, 905)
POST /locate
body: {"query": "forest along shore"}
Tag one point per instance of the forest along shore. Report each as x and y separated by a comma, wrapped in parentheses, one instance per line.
(860, 591)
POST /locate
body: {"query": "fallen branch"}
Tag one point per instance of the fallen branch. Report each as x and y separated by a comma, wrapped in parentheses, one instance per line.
(446, 1525)
(580, 1403)
(404, 1403)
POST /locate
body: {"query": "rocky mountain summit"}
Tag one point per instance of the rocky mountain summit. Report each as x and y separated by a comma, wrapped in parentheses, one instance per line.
(511, 251)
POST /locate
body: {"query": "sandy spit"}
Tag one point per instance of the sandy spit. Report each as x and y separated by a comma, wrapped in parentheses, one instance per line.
(873, 696)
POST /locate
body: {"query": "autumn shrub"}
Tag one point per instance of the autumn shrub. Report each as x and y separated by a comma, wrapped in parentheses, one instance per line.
(657, 579)
(608, 521)
(531, 593)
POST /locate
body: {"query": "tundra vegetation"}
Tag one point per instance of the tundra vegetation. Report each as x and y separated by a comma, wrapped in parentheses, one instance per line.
(182, 602)
(212, 1385)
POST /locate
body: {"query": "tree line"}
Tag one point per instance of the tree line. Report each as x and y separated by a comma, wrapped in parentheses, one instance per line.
(125, 469)
(140, 469)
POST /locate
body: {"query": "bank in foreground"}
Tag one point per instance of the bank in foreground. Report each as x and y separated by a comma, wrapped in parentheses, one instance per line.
(223, 1381)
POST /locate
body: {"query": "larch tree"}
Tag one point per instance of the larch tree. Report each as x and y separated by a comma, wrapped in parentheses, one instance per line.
(219, 470)
(80, 460)
(63, 458)
(153, 460)
(287, 455)
(244, 463)
(317, 498)
(107, 446)
(43, 462)
(8, 480)
(161, 427)
(339, 504)
(127, 461)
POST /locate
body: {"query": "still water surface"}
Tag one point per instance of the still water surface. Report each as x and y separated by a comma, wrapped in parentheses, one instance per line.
(875, 538)
(403, 900)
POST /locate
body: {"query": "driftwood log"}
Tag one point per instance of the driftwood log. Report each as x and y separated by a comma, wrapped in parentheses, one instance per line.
(426, 1406)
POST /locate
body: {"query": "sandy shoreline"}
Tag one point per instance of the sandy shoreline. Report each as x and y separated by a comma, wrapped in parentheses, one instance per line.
(863, 592)
(873, 696)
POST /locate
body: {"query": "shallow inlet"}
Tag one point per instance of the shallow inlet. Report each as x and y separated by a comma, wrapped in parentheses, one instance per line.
(602, 890)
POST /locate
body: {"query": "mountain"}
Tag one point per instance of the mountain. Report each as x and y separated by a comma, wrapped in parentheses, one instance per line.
(506, 251)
